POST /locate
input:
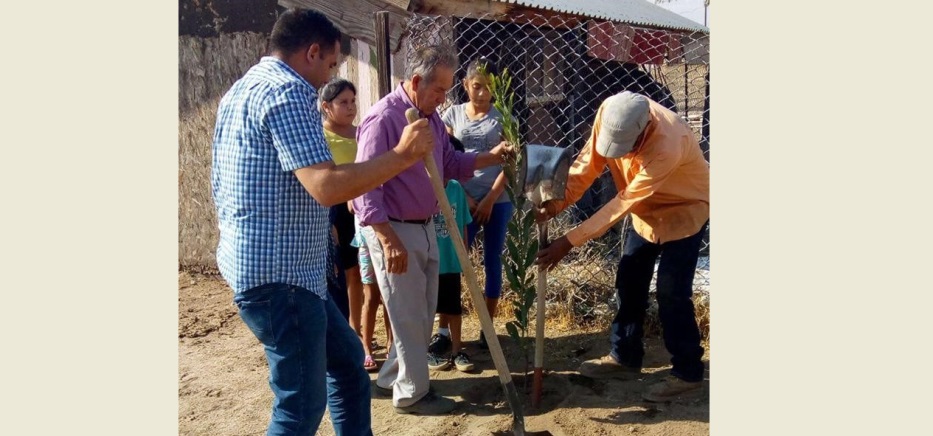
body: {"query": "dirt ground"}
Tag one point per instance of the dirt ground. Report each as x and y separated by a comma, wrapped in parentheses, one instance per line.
(223, 386)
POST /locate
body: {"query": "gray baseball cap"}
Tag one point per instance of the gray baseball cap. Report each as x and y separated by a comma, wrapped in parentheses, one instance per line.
(624, 117)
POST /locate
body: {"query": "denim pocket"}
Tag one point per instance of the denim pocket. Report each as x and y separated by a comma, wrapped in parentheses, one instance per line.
(258, 317)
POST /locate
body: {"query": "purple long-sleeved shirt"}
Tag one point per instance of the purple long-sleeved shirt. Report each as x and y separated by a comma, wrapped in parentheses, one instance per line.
(407, 196)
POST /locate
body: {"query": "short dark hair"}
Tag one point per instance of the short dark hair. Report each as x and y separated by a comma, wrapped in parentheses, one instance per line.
(332, 89)
(297, 28)
(473, 68)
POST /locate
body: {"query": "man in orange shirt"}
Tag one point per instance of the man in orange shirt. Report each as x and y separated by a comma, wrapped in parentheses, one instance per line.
(663, 181)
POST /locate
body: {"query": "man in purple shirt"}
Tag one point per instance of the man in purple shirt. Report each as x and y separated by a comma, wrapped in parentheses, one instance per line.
(396, 222)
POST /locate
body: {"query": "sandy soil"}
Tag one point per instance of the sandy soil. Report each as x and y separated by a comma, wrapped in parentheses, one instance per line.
(223, 386)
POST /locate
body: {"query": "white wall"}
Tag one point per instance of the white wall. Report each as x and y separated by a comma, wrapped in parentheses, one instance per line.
(691, 9)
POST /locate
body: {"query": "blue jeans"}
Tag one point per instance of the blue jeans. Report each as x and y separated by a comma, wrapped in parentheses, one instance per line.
(315, 360)
(675, 306)
(493, 245)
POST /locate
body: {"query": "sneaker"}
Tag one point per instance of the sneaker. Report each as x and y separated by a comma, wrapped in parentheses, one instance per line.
(607, 367)
(436, 362)
(439, 344)
(430, 404)
(673, 388)
(462, 362)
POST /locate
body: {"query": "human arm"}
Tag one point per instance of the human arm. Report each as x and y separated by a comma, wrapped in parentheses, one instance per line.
(392, 248)
(496, 156)
(330, 184)
(297, 136)
(483, 209)
(655, 168)
(646, 182)
(376, 136)
(583, 172)
(596, 225)
(551, 255)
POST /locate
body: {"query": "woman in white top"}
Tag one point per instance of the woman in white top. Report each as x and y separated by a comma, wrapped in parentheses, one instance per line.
(478, 125)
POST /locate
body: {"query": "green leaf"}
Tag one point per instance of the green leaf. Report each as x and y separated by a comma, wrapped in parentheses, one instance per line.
(512, 277)
(512, 328)
(513, 227)
(528, 221)
(520, 274)
(530, 280)
(532, 251)
(530, 298)
(513, 250)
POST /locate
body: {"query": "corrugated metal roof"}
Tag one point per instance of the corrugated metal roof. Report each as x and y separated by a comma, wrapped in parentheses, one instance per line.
(627, 11)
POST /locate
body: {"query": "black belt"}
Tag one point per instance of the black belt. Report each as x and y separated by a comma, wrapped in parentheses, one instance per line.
(421, 222)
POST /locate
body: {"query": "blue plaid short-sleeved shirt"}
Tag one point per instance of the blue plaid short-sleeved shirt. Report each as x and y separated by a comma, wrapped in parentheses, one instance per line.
(271, 229)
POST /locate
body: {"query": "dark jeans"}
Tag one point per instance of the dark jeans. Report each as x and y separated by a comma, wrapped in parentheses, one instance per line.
(337, 281)
(675, 288)
(315, 360)
(494, 232)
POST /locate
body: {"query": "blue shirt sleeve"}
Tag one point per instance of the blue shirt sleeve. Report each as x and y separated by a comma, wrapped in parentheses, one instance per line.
(295, 124)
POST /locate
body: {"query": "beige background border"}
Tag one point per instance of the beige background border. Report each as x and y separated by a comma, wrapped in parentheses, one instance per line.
(820, 193)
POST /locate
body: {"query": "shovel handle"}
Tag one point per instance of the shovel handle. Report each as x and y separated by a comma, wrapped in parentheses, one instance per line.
(541, 289)
(495, 350)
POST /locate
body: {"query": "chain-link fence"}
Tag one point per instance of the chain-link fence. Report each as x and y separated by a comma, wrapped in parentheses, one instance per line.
(562, 69)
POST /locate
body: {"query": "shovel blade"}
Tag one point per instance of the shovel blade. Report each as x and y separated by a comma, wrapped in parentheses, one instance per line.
(544, 172)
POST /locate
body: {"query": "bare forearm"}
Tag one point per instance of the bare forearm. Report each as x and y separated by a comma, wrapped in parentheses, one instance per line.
(352, 180)
(486, 159)
(384, 232)
(498, 186)
(331, 184)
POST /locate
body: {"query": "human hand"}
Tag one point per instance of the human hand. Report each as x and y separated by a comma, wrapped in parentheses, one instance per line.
(546, 211)
(503, 151)
(549, 257)
(392, 248)
(483, 210)
(417, 140)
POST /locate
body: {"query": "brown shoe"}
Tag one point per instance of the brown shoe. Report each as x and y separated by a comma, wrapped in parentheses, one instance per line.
(607, 367)
(673, 388)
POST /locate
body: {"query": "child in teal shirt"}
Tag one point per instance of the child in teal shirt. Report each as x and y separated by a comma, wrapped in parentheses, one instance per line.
(449, 307)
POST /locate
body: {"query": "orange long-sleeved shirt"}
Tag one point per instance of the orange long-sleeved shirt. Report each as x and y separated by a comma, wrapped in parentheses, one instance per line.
(663, 182)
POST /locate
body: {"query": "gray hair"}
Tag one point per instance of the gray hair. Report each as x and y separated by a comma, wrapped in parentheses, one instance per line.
(426, 60)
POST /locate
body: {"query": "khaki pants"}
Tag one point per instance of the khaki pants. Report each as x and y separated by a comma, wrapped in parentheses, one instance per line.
(411, 299)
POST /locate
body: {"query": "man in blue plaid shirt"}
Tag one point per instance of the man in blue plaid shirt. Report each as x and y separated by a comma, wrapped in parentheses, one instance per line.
(272, 180)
